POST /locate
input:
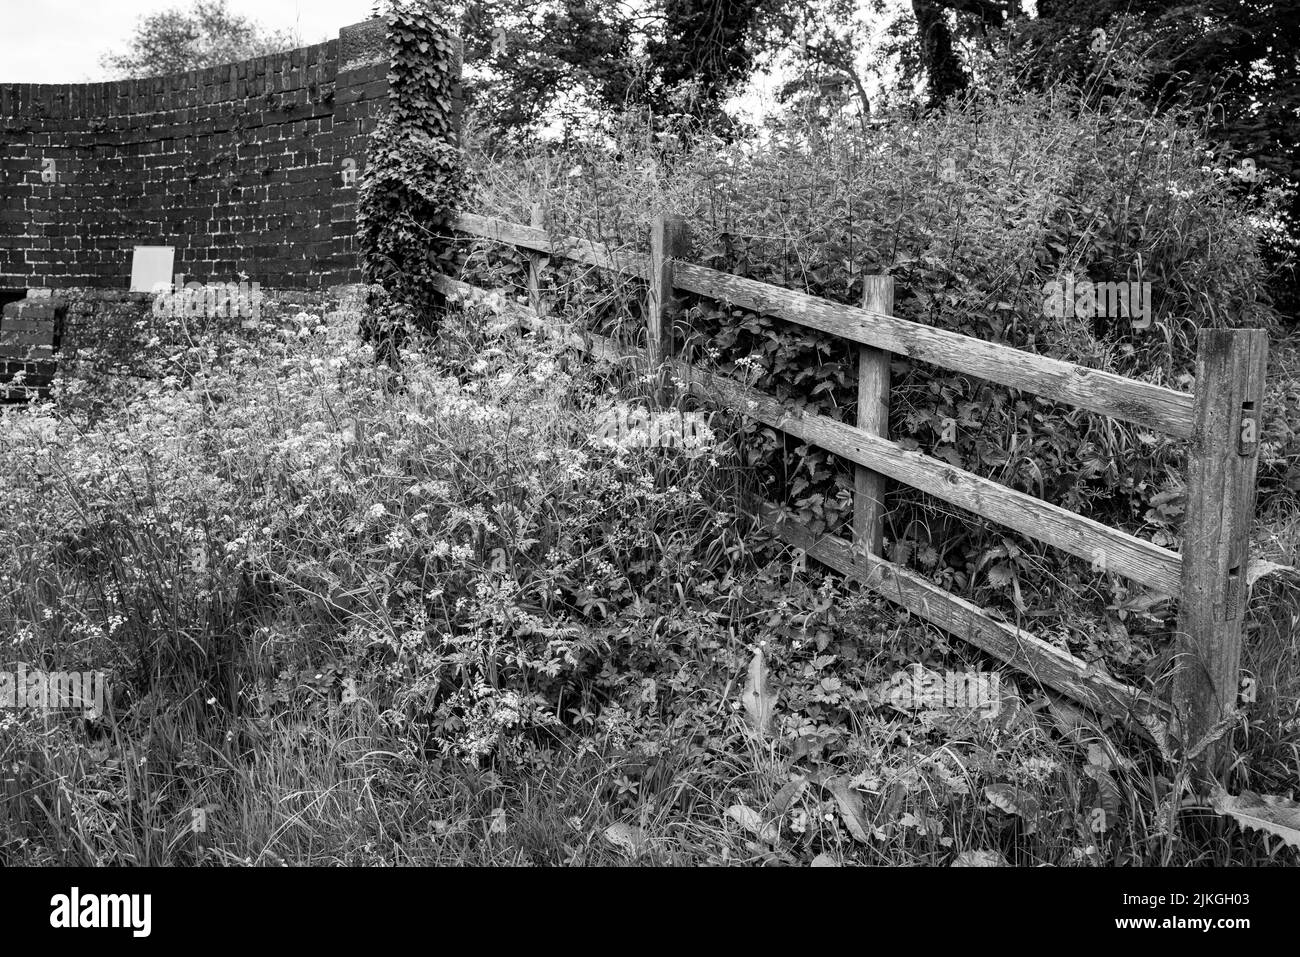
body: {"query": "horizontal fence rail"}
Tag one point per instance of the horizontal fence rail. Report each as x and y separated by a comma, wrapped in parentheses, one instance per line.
(1208, 578)
(1047, 664)
(1125, 554)
(537, 239)
(1142, 403)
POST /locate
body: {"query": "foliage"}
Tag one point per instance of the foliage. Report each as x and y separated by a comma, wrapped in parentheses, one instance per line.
(457, 624)
(1042, 187)
(707, 46)
(207, 34)
(1233, 59)
(823, 44)
(548, 61)
(1268, 813)
(461, 621)
(412, 181)
(557, 65)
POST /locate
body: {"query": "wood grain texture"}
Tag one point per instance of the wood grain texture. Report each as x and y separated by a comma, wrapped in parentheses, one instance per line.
(1142, 403)
(669, 242)
(535, 264)
(1142, 561)
(628, 262)
(873, 417)
(1040, 661)
(1230, 372)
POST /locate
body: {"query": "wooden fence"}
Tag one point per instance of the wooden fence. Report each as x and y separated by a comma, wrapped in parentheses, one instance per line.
(1220, 420)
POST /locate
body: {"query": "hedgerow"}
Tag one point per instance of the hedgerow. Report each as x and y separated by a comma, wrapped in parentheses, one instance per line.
(973, 211)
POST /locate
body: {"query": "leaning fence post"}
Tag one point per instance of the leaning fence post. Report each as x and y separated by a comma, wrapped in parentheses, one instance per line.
(873, 417)
(1230, 370)
(669, 240)
(535, 260)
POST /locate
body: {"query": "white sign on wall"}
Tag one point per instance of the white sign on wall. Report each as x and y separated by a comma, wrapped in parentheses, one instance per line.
(151, 266)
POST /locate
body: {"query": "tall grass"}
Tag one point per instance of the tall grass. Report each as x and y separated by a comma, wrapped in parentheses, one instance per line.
(352, 615)
(356, 620)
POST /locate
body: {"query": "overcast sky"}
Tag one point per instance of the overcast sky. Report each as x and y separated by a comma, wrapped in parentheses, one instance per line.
(60, 41)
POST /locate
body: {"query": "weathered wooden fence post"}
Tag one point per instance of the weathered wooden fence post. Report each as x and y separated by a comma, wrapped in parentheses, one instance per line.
(535, 261)
(1230, 369)
(669, 240)
(873, 416)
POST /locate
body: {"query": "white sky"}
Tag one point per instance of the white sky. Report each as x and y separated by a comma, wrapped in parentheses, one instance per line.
(60, 41)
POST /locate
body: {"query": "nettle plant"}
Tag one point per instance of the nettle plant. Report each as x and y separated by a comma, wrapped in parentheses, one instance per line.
(412, 183)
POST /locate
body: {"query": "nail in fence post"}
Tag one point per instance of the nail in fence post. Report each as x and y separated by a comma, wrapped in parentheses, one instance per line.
(873, 417)
(669, 240)
(535, 261)
(1230, 369)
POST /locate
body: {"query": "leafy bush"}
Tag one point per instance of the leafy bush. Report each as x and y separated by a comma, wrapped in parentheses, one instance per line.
(974, 212)
(482, 611)
(471, 619)
(454, 537)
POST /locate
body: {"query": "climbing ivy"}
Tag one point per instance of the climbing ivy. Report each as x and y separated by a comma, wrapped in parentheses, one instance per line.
(412, 182)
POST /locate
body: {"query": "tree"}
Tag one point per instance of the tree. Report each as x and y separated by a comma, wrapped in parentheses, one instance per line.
(823, 45)
(943, 66)
(528, 61)
(207, 34)
(1236, 57)
(707, 44)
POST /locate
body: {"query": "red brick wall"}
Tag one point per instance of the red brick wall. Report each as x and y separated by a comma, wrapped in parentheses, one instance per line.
(239, 167)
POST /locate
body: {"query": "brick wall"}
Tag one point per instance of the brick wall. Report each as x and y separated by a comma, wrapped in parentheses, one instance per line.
(240, 167)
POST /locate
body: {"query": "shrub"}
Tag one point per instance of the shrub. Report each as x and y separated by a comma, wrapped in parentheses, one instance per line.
(975, 212)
